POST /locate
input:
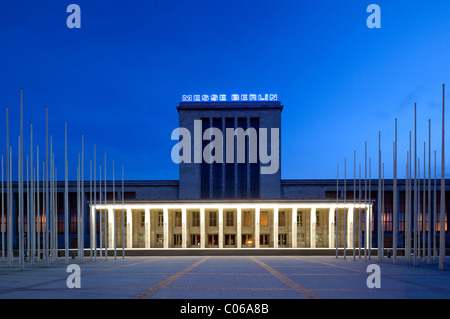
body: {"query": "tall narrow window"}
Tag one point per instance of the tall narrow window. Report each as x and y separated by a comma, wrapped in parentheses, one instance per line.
(177, 219)
(247, 219)
(212, 219)
(160, 219)
(264, 218)
(230, 218)
(195, 219)
(281, 218)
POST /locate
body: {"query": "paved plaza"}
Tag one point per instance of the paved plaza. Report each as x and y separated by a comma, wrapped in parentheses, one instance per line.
(226, 277)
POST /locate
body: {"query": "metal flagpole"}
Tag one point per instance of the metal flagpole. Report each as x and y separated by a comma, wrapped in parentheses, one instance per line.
(359, 213)
(95, 203)
(100, 218)
(3, 218)
(123, 222)
(56, 210)
(337, 209)
(442, 224)
(395, 210)
(345, 208)
(33, 210)
(406, 203)
(82, 198)
(66, 198)
(369, 220)
(424, 200)
(354, 202)
(78, 209)
(415, 186)
(10, 240)
(380, 252)
(28, 211)
(38, 210)
(408, 258)
(51, 241)
(90, 202)
(434, 211)
(106, 219)
(430, 226)
(114, 214)
(20, 171)
(418, 209)
(382, 211)
(8, 196)
(46, 190)
(365, 203)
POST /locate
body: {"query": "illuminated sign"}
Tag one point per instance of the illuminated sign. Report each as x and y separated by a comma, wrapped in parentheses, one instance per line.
(223, 97)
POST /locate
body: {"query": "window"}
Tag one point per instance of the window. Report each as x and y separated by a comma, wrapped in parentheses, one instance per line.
(264, 240)
(230, 218)
(247, 219)
(281, 219)
(212, 219)
(247, 240)
(319, 238)
(160, 219)
(282, 239)
(264, 218)
(213, 240)
(300, 237)
(159, 238)
(195, 239)
(177, 219)
(317, 219)
(230, 240)
(300, 218)
(142, 219)
(195, 218)
(177, 240)
(141, 238)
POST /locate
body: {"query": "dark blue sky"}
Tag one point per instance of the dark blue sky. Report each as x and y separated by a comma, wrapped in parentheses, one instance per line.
(119, 78)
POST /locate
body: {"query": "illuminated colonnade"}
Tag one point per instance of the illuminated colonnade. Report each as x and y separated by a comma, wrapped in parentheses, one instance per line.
(229, 225)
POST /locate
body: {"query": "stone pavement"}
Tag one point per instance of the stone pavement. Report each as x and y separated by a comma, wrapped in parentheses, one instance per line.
(221, 277)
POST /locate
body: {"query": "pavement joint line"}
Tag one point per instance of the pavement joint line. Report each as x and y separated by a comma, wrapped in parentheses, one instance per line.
(229, 288)
(147, 293)
(305, 292)
(29, 287)
(382, 276)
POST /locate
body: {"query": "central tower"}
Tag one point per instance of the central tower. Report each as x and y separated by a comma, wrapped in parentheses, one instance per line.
(234, 179)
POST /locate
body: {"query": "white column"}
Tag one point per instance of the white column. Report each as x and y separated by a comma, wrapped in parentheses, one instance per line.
(313, 228)
(93, 227)
(166, 226)
(275, 227)
(239, 228)
(221, 227)
(331, 239)
(350, 227)
(129, 228)
(183, 228)
(257, 222)
(111, 225)
(294, 227)
(202, 228)
(147, 227)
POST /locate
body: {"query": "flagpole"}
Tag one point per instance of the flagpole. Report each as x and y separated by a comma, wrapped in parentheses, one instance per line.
(337, 209)
(82, 198)
(359, 215)
(90, 203)
(395, 210)
(345, 208)
(100, 218)
(434, 211)
(365, 203)
(442, 224)
(114, 214)
(66, 198)
(123, 222)
(20, 171)
(430, 226)
(106, 219)
(380, 252)
(415, 186)
(33, 209)
(354, 203)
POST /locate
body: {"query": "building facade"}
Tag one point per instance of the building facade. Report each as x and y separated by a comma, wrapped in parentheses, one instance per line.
(237, 202)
